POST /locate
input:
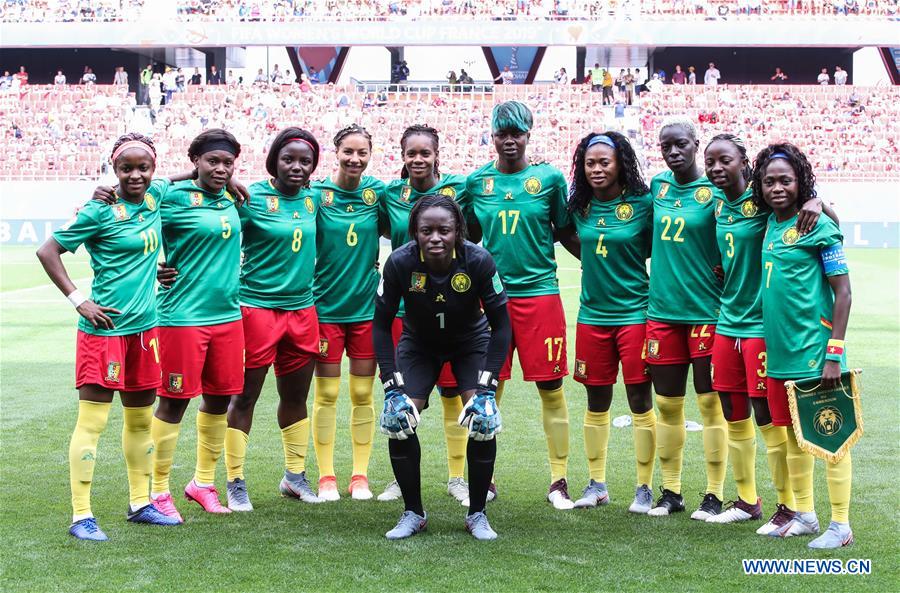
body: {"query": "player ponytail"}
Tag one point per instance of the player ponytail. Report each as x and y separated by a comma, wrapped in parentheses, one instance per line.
(630, 176)
(439, 201)
(426, 131)
(286, 136)
(806, 179)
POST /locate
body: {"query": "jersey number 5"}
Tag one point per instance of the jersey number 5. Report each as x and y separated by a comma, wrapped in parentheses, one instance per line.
(226, 227)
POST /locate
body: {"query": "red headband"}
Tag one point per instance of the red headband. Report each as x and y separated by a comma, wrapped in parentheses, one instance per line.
(307, 142)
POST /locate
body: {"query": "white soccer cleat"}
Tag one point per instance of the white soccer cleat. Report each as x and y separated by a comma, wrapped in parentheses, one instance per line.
(738, 511)
(781, 517)
(238, 499)
(328, 490)
(595, 494)
(359, 488)
(559, 495)
(643, 500)
(837, 535)
(458, 489)
(801, 524)
(391, 492)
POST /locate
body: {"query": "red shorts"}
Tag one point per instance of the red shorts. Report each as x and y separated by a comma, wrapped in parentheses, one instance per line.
(598, 350)
(446, 378)
(539, 334)
(290, 339)
(355, 337)
(739, 365)
(676, 343)
(206, 359)
(123, 363)
(778, 402)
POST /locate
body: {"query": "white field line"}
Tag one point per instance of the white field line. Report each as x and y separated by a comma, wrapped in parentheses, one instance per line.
(12, 294)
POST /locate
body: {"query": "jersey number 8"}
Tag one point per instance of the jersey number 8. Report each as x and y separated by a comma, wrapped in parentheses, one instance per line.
(297, 241)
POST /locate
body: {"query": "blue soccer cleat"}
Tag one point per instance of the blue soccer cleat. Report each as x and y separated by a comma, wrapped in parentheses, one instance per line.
(837, 535)
(87, 529)
(150, 515)
(595, 494)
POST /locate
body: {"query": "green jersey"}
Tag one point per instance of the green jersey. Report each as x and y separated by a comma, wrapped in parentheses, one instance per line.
(740, 227)
(683, 287)
(279, 243)
(518, 213)
(615, 244)
(798, 301)
(123, 243)
(347, 244)
(201, 239)
(401, 197)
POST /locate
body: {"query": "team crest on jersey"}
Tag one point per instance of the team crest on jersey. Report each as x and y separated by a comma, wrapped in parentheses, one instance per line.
(196, 199)
(790, 236)
(405, 193)
(487, 185)
(624, 211)
(533, 185)
(113, 372)
(323, 346)
(310, 206)
(369, 196)
(719, 204)
(653, 349)
(327, 197)
(417, 282)
(703, 195)
(120, 212)
(461, 282)
(448, 191)
(580, 369)
(176, 382)
(663, 190)
(272, 203)
(749, 209)
(150, 202)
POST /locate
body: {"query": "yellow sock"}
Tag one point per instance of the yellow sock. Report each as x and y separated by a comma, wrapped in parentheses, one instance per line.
(644, 433)
(362, 422)
(457, 436)
(210, 442)
(165, 437)
(800, 471)
(235, 453)
(839, 477)
(776, 453)
(137, 445)
(555, 415)
(295, 440)
(91, 422)
(742, 450)
(715, 442)
(670, 437)
(596, 443)
(324, 422)
(499, 393)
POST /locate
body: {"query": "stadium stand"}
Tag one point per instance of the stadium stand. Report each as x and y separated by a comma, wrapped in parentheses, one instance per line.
(54, 133)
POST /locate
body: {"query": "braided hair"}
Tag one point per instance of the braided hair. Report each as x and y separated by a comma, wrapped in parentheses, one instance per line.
(747, 170)
(630, 177)
(286, 136)
(806, 179)
(134, 137)
(412, 131)
(349, 131)
(439, 201)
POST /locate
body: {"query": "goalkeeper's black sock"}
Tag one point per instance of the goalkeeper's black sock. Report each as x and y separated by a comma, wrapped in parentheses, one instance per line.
(481, 456)
(405, 457)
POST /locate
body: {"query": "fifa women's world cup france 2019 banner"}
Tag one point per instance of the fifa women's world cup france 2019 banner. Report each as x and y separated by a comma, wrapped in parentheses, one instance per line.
(827, 421)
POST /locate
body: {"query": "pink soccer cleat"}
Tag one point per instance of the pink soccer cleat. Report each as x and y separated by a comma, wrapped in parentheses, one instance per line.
(165, 505)
(207, 497)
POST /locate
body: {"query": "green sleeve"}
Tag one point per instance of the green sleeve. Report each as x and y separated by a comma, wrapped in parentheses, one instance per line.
(559, 211)
(85, 225)
(158, 189)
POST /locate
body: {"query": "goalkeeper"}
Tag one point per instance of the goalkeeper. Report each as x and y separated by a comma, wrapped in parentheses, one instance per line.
(455, 312)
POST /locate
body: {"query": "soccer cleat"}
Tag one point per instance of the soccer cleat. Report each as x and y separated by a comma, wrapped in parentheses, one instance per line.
(207, 497)
(710, 506)
(643, 500)
(151, 515)
(559, 495)
(458, 489)
(328, 490)
(297, 486)
(491, 495)
(738, 511)
(87, 529)
(837, 535)
(477, 524)
(408, 525)
(779, 519)
(165, 505)
(359, 488)
(238, 499)
(595, 494)
(801, 524)
(667, 504)
(391, 492)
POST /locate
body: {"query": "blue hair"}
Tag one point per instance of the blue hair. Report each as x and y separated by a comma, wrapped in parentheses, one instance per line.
(511, 115)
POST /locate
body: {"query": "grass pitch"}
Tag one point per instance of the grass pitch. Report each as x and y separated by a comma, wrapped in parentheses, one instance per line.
(340, 547)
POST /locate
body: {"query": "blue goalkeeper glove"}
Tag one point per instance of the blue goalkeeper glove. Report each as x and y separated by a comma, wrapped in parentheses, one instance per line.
(400, 416)
(481, 414)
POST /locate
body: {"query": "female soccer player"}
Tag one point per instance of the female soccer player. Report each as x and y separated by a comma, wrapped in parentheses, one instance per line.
(805, 305)
(420, 176)
(613, 212)
(456, 313)
(118, 344)
(278, 312)
(520, 210)
(739, 352)
(349, 222)
(681, 316)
